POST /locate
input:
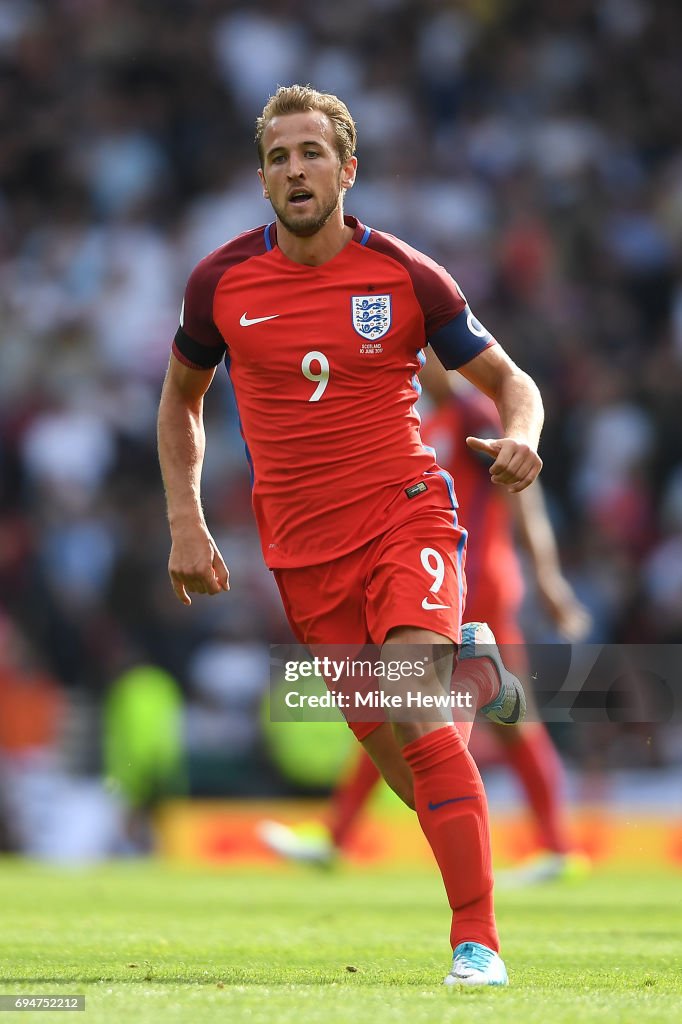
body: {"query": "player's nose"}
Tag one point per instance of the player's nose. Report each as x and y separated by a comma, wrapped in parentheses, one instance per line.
(296, 168)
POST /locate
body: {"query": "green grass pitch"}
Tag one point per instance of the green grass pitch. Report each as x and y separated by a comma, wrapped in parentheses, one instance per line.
(146, 942)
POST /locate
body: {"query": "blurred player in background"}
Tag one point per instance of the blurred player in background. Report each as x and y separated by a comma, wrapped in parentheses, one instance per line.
(322, 322)
(494, 595)
(32, 711)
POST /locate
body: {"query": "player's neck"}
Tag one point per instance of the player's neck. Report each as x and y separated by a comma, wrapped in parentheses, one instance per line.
(316, 249)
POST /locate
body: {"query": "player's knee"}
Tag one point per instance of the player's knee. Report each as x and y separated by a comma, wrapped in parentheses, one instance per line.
(408, 732)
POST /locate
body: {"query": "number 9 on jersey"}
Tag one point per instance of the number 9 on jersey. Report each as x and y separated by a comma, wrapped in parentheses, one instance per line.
(321, 377)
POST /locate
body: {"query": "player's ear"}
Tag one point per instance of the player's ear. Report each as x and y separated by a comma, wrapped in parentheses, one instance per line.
(348, 172)
(266, 194)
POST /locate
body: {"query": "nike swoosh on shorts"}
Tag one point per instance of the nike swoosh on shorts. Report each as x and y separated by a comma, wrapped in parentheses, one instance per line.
(427, 606)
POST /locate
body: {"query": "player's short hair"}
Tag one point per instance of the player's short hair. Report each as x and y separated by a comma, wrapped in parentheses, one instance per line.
(297, 99)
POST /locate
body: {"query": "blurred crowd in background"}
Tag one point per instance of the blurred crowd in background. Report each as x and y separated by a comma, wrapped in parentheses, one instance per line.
(533, 148)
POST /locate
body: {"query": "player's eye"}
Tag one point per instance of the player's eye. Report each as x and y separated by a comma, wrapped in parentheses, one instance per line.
(311, 153)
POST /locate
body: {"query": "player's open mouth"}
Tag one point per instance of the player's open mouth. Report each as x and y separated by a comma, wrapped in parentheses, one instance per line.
(300, 197)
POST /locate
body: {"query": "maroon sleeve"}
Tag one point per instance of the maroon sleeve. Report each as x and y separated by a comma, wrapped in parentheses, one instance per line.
(436, 291)
(450, 327)
(198, 342)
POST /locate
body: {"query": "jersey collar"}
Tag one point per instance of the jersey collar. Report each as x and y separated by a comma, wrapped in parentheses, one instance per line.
(360, 232)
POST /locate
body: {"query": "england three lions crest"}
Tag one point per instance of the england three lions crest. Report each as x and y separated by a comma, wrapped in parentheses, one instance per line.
(371, 315)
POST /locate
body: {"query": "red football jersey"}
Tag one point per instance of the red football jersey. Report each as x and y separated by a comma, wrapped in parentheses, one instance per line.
(323, 362)
(493, 572)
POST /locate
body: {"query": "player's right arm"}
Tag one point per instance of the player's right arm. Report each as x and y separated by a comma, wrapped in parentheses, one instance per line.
(195, 564)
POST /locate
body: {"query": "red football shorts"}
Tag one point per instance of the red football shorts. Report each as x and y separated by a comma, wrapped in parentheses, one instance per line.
(412, 575)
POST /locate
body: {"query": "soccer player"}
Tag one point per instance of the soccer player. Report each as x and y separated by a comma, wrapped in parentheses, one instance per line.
(494, 593)
(322, 323)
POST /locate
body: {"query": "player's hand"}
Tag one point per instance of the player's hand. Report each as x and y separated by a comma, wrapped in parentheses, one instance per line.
(516, 464)
(570, 617)
(195, 564)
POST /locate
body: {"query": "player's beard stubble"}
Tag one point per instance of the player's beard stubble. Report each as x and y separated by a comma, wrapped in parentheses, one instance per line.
(307, 225)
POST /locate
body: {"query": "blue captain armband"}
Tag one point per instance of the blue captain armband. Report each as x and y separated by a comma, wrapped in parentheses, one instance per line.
(460, 340)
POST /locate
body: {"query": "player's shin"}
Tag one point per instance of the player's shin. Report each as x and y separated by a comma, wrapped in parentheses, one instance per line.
(452, 810)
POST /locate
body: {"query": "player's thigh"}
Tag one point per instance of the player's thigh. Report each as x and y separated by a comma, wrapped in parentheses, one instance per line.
(325, 604)
(417, 578)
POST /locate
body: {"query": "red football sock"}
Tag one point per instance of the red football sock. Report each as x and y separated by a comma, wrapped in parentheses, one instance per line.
(536, 762)
(464, 730)
(350, 796)
(453, 813)
(478, 677)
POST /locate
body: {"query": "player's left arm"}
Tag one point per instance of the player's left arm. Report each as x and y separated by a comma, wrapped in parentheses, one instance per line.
(519, 405)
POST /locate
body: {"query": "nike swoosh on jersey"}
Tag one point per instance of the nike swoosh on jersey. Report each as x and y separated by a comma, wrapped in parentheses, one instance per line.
(427, 606)
(246, 322)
